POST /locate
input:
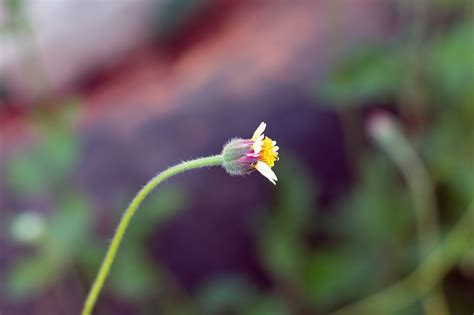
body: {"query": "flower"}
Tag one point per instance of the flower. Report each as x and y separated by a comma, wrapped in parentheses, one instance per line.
(243, 156)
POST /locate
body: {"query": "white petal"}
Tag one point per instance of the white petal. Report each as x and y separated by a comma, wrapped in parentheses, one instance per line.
(275, 148)
(259, 131)
(257, 145)
(266, 171)
(274, 142)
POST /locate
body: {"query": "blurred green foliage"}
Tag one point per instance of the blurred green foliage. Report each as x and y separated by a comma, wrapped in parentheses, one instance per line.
(136, 275)
(428, 82)
(370, 231)
(379, 71)
(60, 238)
(65, 235)
(282, 231)
(38, 172)
(373, 73)
(233, 295)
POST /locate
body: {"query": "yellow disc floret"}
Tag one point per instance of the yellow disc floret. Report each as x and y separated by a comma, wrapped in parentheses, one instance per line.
(269, 153)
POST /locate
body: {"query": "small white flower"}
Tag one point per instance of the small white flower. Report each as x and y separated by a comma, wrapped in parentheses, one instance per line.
(242, 156)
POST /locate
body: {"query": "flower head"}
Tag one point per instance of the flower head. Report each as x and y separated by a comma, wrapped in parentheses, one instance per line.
(243, 156)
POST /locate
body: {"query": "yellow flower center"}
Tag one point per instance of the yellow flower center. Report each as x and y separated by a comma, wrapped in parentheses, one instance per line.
(267, 154)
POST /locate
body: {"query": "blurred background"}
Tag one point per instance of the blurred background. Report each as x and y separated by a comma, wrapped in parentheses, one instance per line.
(371, 102)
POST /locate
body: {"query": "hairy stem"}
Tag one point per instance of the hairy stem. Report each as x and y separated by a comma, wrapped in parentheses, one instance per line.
(127, 216)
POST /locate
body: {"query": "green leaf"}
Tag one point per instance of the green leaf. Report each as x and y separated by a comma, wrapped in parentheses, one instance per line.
(31, 276)
(334, 276)
(69, 226)
(26, 174)
(227, 294)
(133, 275)
(281, 243)
(59, 150)
(378, 209)
(160, 206)
(452, 66)
(233, 295)
(372, 73)
(267, 305)
(449, 149)
(44, 165)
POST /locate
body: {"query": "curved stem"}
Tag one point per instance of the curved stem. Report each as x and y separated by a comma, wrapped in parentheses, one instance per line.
(127, 216)
(420, 187)
(429, 273)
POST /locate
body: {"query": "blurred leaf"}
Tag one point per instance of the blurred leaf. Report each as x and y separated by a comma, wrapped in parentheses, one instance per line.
(373, 73)
(282, 233)
(452, 66)
(38, 169)
(69, 227)
(372, 231)
(26, 175)
(378, 209)
(90, 257)
(229, 295)
(334, 276)
(13, 6)
(449, 150)
(160, 206)
(58, 152)
(134, 277)
(65, 235)
(233, 295)
(30, 276)
(453, 4)
(268, 305)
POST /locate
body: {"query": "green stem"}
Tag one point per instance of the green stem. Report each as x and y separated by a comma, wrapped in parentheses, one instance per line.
(424, 204)
(127, 216)
(429, 273)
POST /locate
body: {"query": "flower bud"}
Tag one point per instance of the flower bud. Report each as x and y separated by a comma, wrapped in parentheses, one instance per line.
(243, 156)
(238, 157)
